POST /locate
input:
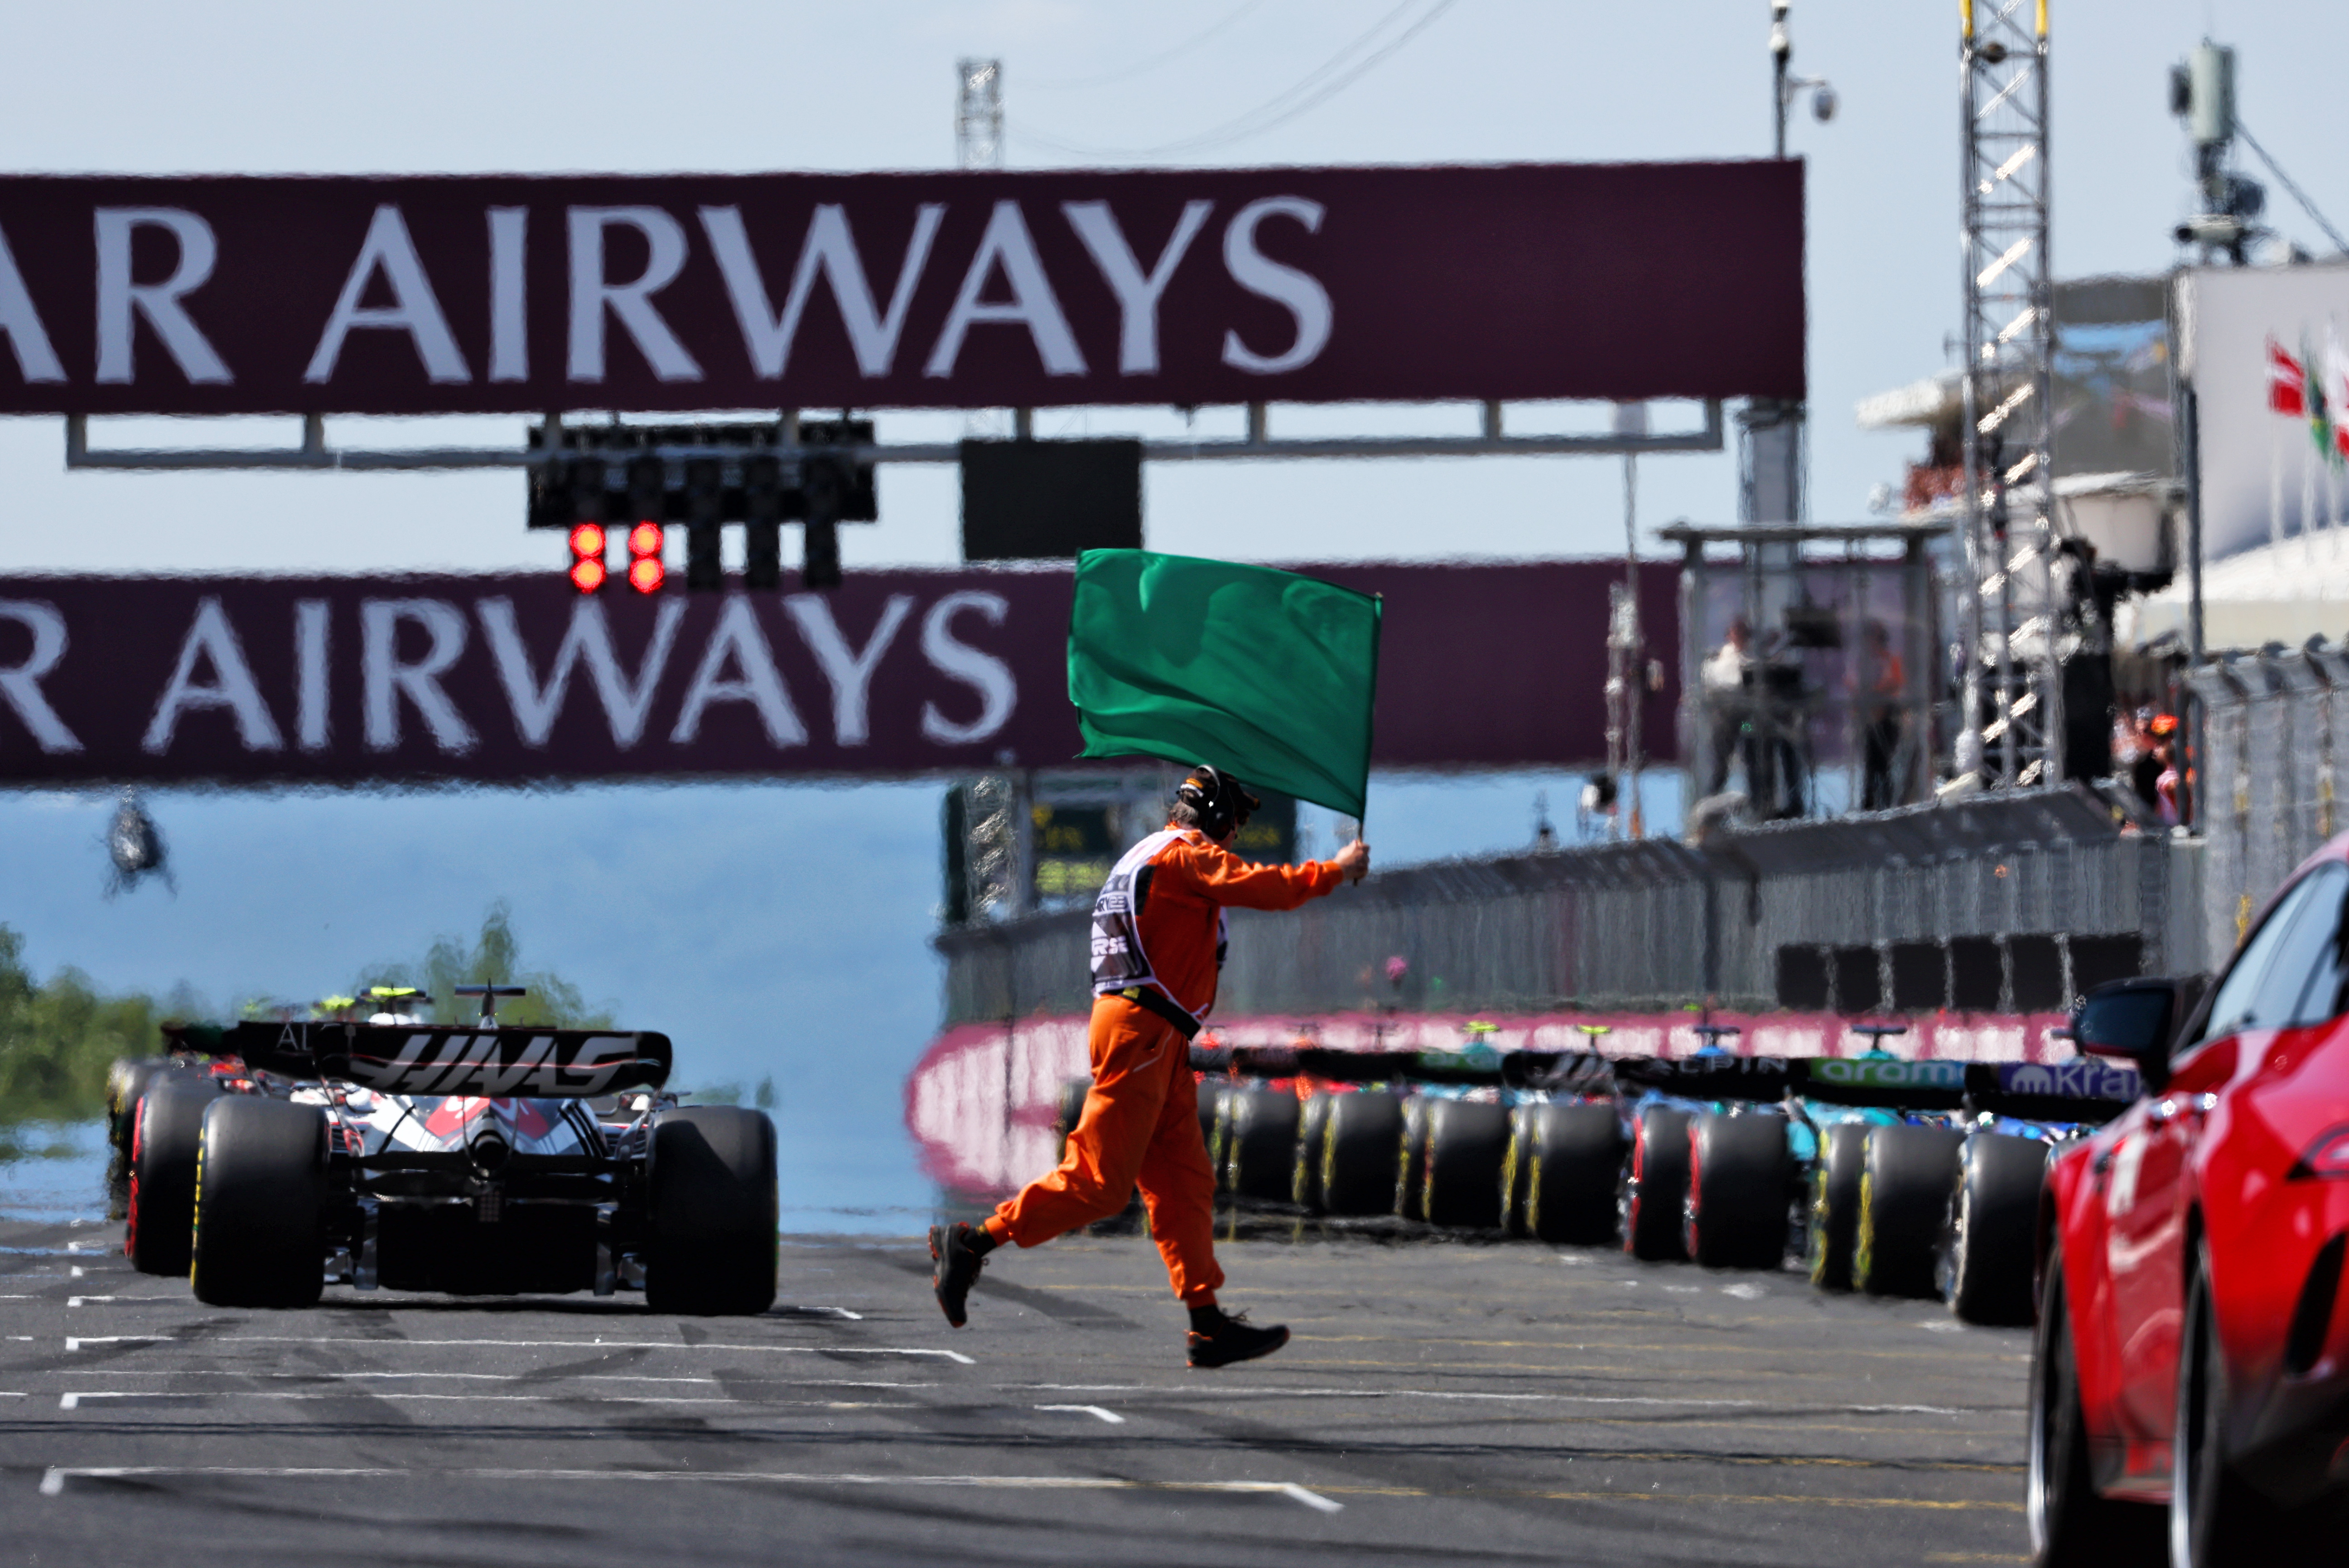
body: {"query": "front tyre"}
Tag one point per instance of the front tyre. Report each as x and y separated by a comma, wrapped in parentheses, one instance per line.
(714, 1213)
(261, 1192)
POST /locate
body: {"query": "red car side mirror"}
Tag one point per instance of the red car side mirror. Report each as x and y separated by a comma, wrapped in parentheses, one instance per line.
(2134, 1019)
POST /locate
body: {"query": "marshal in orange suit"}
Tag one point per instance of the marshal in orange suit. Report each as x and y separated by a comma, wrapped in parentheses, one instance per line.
(1158, 944)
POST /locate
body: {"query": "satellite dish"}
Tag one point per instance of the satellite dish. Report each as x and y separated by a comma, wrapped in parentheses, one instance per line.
(136, 847)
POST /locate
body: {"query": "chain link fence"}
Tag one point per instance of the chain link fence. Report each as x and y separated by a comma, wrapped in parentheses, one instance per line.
(2270, 724)
(2008, 903)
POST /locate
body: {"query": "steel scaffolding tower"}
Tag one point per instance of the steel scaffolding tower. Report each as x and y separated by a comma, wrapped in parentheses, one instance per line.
(2011, 729)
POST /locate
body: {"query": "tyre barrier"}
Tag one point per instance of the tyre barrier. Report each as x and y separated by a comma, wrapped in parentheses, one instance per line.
(1989, 1244)
(1905, 1184)
(1735, 1216)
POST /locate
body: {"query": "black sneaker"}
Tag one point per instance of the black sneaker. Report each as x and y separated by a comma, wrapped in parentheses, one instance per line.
(1233, 1338)
(955, 1266)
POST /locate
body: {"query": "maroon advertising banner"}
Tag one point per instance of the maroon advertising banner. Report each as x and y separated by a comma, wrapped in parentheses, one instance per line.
(524, 294)
(520, 677)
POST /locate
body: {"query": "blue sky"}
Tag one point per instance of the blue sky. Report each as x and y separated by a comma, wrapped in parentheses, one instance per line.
(782, 929)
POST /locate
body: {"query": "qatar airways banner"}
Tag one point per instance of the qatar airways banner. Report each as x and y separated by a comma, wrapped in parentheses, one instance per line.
(523, 294)
(980, 1103)
(521, 678)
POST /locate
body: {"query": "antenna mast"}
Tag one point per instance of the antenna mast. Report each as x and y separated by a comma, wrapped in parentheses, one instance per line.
(2010, 731)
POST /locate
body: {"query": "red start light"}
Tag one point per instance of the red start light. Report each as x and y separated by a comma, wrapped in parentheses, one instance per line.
(586, 540)
(587, 574)
(646, 573)
(646, 539)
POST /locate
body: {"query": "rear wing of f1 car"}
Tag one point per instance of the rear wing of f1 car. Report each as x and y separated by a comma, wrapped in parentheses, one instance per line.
(1579, 1071)
(415, 1059)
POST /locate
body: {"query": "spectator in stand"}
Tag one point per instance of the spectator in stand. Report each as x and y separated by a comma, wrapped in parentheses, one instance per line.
(1886, 677)
(2144, 772)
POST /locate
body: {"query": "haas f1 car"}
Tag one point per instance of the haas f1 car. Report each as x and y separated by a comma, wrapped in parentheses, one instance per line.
(2192, 1349)
(472, 1161)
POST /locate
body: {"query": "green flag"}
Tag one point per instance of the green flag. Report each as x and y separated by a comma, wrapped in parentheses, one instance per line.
(1265, 674)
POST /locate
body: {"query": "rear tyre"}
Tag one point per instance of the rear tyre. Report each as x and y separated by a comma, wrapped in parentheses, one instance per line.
(1904, 1193)
(1312, 1126)
(1358, 1153)
(714, 1213)
(1467, 1140)
(1410, 1167)
(1835, 1203)
(1260, 1145)
(2072, 1526)
(1988, 1242)
(1736, 1205)
(1655, 1187)
(1216, 1121)
(262, 1192)
(1575, 1163)
(161, 1203)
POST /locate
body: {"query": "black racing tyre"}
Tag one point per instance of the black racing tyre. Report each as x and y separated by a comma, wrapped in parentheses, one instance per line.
(1358, 1152)
(161, 1203)
(2072, 1524)
(1215, 1126)
(1575, 1162)
(1067, 1107)
(1312, 1124)
(1465, 1142)
(714, 1213)
(1904, 1195)
(1260, 1142)
(1835, 1203)
(1735, 1212)
(1410, 1160)
(2216, 1520)
(261, 1187)
(1655, 1185)
(1516, 1169)
(126, 1080)
(1988, 1242)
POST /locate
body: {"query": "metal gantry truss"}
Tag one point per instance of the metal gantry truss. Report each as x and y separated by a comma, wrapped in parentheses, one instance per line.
(2011, 731)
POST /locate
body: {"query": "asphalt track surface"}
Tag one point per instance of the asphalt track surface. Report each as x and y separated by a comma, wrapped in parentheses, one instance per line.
(1443, 1401)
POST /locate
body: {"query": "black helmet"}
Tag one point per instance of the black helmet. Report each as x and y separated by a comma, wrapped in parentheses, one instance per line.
(1220, 802)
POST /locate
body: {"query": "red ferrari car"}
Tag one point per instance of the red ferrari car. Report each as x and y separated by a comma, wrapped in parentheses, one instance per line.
(2192, 1353)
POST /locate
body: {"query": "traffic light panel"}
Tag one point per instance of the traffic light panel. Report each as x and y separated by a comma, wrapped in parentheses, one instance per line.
(645, 572)
(587, 571)
(704, 477)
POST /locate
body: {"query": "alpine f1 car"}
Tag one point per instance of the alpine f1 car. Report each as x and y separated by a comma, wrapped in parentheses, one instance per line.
(2191, 1349)
(475, 1160)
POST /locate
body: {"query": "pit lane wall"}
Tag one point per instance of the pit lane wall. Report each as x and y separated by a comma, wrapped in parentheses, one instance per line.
(980, 1103)
(1979, 921)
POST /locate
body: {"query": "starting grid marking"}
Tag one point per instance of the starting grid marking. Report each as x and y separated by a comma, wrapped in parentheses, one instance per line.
(75, 1341)
(56, 1478)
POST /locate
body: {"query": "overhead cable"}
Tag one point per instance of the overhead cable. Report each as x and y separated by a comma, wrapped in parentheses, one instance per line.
(2297, 193)
(1333, 76)
(1125, 73)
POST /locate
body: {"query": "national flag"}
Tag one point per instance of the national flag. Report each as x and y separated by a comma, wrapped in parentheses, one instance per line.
(2287, 382)
(1265, 674)
(2336, 390)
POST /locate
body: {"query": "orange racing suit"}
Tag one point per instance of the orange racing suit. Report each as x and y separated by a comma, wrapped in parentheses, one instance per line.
(1158, 924)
